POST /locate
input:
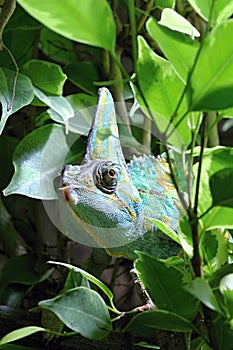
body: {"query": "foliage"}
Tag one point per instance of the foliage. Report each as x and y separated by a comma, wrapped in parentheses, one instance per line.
(53, 58)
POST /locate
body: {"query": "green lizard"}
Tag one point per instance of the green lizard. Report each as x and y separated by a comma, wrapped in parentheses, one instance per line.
(108, 203)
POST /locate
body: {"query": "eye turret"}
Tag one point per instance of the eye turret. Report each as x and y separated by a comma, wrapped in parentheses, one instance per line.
(106, 176)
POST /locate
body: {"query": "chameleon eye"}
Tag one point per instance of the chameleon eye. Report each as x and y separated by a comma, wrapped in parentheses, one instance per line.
(106, 177)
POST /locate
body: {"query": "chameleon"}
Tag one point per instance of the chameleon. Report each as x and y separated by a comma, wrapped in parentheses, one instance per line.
(106, 202)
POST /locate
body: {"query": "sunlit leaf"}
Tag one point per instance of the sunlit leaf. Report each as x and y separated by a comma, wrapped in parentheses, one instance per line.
(211, 85)
(76, 20)
(202, 291)
(173, 20)
(222, 9)
(46, 76)
(20, 333)
(178, 48)
(161, 89)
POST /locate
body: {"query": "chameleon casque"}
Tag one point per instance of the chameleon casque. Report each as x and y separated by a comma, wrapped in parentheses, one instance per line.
(108, 203)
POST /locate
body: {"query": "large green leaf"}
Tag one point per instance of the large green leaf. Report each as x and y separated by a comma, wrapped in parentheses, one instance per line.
(160, 319)
(222, 9)
(37, 160)
(12, 99)
(161, 89)
(215, 160)
(82, 310)
(90, 22)
(46, 76)
(164, 284)
(178, 48)
(173, 20)
(211, 84)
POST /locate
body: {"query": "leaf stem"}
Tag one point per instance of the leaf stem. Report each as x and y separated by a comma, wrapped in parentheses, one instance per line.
(145, 15)
(131, 9)
(212, 130)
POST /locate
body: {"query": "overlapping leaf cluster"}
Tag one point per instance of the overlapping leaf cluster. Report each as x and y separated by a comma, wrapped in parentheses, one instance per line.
(182, 78)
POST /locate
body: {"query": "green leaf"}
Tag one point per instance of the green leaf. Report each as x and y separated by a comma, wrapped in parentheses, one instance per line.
(76, 20)
(165, 228)
(20, 269)
(75, 279)
(92, 279)
(20, 333)
(211, 84)
(164, 285)
(226, 283)
(59, 104)
(214, 250)
(23, 52)
(83, 74)
(221, 9)
(185, 236)
(22, 95)
(202, 291)
(57, 47)
(161, 4)
(37, 160)
(84, 107)
(214, 160)
(46, 76)
(178, 48)
(21, 21)
(173, 20)
(222, 195)
(226, 288)
(219, 274)
(161, 89)
(160, 319)
(82, 310)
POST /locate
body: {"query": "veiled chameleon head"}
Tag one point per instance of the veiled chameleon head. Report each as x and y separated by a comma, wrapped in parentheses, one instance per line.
(101, 206)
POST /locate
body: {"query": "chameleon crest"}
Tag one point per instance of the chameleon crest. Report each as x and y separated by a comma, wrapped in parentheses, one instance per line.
(107, 203)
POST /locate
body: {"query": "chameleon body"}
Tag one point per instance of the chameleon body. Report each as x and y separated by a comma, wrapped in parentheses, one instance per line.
(111, 204)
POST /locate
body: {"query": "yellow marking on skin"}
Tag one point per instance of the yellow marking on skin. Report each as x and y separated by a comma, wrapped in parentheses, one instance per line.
(116, 254)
